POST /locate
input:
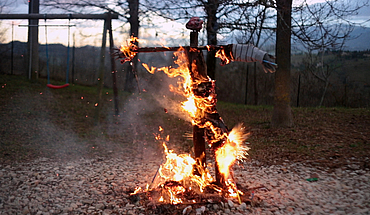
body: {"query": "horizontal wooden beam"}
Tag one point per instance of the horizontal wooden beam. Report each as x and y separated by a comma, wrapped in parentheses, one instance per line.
(58, 16)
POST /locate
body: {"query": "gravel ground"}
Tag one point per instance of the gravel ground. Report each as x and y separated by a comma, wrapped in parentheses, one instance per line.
(98, 186)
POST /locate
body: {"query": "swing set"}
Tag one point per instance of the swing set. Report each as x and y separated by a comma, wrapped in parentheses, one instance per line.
(33, 18)
(47, 57)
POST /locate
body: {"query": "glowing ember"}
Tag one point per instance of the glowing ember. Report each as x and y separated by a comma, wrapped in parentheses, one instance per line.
(138, 189)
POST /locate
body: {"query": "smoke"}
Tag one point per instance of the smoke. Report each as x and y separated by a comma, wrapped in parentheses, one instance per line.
(155, 106)
(31, 129)
(158, 84)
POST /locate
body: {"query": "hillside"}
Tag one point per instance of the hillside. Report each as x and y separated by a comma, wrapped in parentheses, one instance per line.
(359, 40)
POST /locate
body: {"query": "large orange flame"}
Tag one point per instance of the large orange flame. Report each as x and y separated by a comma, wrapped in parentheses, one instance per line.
(180, 168)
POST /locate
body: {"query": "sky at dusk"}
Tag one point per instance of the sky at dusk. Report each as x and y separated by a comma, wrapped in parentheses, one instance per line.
(89, 32)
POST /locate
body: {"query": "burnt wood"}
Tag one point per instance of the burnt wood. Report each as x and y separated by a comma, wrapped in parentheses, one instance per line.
(198, 70)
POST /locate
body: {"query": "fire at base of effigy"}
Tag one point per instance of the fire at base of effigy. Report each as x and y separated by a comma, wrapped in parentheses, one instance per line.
(185, 180)
(182, 179)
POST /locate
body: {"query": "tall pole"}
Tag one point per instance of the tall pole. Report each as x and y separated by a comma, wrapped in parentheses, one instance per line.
(246, 86)
(101, 74)
(73, 58)
(255, 83)
(12, 52)
(198, 133)
(131, 75)
(33, 41)
(202, 89)
(113, 67)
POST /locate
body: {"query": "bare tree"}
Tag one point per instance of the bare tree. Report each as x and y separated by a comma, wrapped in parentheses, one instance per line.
(313, 26)
(321, 69)
(282, 114)
(219, 15)
(324, 25)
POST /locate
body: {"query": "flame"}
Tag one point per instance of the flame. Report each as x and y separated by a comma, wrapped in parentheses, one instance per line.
(138, 189)
(189, 106)
(128, 51)
(176, 175)
(180, 168)
(232, 150)
(151, 70)
(181, 173)
(221, 54)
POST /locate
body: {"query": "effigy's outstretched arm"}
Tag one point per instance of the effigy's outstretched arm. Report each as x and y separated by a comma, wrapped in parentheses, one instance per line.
(246, 53)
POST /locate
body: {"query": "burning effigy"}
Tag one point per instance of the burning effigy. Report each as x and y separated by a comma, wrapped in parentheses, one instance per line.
(183, 179)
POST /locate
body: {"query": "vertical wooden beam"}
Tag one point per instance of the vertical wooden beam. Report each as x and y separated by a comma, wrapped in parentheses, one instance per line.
(211, 8)
(198, 70)
(255, 83)
(12, 52)
(246, 85)
(101, 75)
(113, 66)
(131, 74)
(33, 41)
(73, 58)
(198, 133)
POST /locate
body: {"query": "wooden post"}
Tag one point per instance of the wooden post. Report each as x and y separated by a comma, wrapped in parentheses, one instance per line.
(12, 52)
(198, 71)
(73, 58)
(198, 133)
(33, 41)
(255, 83)
(246, 86)
(113, 66)
(101, 74)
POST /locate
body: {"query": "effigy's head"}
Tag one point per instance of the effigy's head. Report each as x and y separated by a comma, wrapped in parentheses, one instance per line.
(195, 23)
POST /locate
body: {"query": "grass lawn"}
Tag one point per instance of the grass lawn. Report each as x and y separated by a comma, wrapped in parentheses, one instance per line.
(62, 123)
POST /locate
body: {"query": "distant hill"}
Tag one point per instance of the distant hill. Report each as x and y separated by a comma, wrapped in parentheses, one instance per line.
(360, 40)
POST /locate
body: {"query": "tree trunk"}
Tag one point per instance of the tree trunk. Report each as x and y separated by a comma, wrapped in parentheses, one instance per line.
(282, 113)
(33, 41)
(131, 84)
(212, 28)
(323, 93)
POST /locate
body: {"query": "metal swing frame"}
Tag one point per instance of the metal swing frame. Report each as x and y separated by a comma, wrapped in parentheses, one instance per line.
(47, 59)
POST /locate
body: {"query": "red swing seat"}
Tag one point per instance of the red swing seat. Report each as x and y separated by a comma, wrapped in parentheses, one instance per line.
(57, 86)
